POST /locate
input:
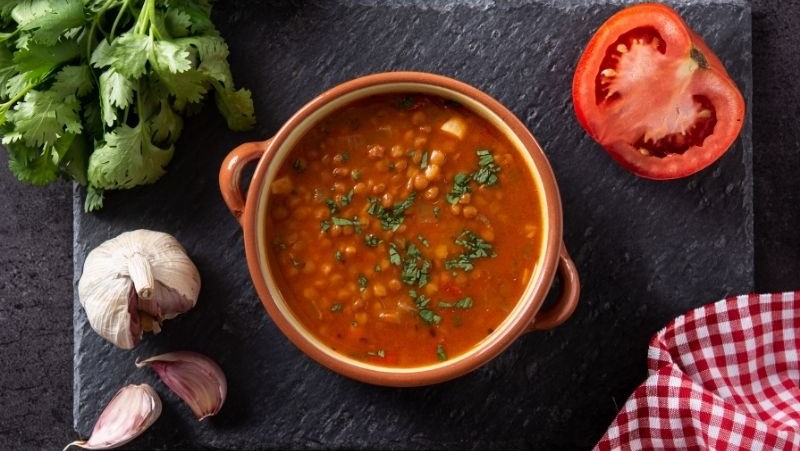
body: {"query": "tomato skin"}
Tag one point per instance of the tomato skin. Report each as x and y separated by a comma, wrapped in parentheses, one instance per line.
(652, 93)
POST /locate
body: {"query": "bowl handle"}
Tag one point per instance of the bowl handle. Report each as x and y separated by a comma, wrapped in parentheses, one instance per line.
(230, 175)
(562, 309)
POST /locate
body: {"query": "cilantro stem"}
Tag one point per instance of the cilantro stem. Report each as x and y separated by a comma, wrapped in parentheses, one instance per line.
(143, 21)
(120, 15)
(7, 105)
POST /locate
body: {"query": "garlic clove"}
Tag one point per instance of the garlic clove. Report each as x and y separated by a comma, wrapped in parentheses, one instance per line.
(131, 411)
(195, 378)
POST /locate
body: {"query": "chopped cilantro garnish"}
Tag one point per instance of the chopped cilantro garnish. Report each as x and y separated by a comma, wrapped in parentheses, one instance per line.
(424, 163)
(461, 262)
(347, 198)
(406, 102)
(378, 268)
(485, 175)
(423, 240)
(345, 222)
(421, 300)
(440, 353)
(477, 246)
(356, 174)
(415, 269)
(362, 283)
(345, 156)
(324, 225)
(372, 240)
(429, 316)
(394, 255)
(474, 247)
(337, 307)
(487, 169)
(339, 256)
(331, 205)
(461, 303)
(390, 218)
(460, 187)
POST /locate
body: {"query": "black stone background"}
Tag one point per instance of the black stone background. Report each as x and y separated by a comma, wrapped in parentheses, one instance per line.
(550, 390)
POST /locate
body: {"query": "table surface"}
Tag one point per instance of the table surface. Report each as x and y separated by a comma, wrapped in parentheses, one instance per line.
(36, 340)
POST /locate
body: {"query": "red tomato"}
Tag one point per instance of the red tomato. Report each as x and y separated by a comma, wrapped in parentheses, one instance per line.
(651, 92)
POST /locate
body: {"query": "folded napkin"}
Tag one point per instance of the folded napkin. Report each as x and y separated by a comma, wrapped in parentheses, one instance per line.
(721, 377)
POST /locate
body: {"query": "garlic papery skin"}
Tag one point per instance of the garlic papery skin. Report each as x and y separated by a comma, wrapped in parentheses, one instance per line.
(132, 283)
(132, 410)
(195, 378)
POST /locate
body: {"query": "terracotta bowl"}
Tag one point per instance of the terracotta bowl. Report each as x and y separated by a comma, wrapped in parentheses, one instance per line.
(528, 315)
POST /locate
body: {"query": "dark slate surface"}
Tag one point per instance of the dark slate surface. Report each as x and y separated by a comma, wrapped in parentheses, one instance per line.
(36, 251)
(647, 251)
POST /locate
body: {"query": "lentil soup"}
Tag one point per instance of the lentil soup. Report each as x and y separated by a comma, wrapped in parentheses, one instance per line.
(403, 229)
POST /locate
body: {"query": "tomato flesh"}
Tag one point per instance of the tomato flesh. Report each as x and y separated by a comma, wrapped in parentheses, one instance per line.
(655, 98)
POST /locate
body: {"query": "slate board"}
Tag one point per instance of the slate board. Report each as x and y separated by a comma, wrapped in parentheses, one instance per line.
(646, 251)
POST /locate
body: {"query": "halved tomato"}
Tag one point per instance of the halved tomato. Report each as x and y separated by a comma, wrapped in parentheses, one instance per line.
(651, 92)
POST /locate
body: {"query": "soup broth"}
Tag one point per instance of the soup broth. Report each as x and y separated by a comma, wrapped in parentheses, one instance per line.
(403, 229)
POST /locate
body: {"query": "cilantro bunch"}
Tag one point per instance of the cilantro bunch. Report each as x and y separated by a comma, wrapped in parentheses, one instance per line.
(95, 90)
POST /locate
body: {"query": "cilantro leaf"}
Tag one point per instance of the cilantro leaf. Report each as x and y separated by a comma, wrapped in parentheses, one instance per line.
(101, 56)
(166, 124)
(460, 187)
(29, 165)
(390, 218)
(187, 87)
(48, 20)
(127, 158)
(34, 63)
(116, 91)
(44, 116)
(171, 57)
(199, 12)
(129, 54)
(441, 354)
(415, 268)
(94, 199)
(372, 240)
(177, 22)
(429, 316)
(73, 156)
(464, 303)
(487, 169)
(73, 80)
(237, 108)
(474, 246)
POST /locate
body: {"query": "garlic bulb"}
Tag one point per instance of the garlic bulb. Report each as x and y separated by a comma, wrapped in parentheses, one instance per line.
(132, 283)
(132, 410)
(195, 378)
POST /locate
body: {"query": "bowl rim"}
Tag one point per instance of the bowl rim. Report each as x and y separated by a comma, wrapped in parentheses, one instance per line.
(442, 371)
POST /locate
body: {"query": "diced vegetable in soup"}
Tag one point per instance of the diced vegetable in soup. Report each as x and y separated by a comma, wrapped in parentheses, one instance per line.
(404, 229)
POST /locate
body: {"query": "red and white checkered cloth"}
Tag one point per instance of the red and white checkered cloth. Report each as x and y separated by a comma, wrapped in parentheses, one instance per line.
(721, 377)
